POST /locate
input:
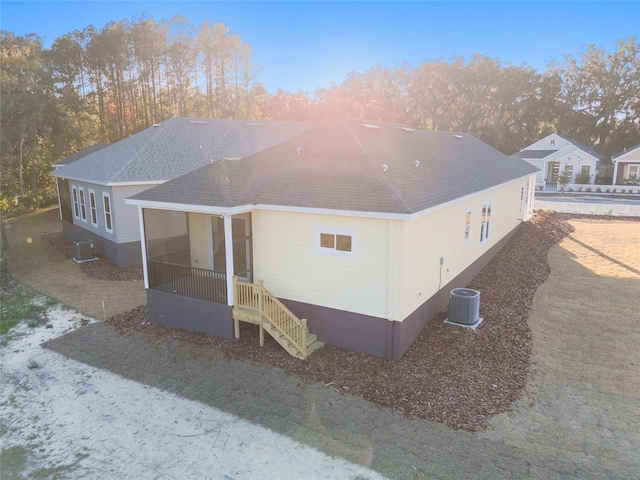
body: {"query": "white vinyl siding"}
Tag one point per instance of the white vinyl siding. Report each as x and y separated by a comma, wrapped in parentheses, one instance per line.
(125, 217)
(285, 258)
(427, 239)
(108, 217)
(93, 210)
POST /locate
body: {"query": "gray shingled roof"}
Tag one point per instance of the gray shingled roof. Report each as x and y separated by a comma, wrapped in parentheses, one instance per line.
(347, 166)
(81, 154)
(175, 147)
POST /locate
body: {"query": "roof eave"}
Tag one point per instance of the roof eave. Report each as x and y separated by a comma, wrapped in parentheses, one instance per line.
(237, 209)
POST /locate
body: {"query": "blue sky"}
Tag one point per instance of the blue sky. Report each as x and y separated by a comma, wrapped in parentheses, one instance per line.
(310, 45)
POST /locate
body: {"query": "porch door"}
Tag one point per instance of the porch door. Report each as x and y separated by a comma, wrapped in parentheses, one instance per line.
(555, 172)
(241, 233)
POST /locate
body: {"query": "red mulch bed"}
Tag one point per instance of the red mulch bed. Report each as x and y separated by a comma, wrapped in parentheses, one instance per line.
(450, 374)
(102, 269)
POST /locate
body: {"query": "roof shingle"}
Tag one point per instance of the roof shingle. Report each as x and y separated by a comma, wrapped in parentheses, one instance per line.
(175, 147)
(348, 166)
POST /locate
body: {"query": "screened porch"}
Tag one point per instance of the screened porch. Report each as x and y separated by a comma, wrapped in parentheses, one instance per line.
(187, 253)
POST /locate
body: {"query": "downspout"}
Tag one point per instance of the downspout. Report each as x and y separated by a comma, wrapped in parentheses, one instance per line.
(59, 202)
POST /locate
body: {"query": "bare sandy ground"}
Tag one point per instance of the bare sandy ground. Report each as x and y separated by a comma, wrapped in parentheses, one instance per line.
(63, 419)
(139, 406)
(583, 403)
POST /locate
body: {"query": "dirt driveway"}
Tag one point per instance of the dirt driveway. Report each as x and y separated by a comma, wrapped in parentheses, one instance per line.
(578, 419)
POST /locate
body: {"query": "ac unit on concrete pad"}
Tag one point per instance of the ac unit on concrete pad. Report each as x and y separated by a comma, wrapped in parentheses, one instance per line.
(83, 250)
(464, 306)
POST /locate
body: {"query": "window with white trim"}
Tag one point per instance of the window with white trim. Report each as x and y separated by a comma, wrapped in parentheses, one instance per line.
(106, 200)
(632, 173)
(467, 225)
(92, 207)
(76, 206)
(338, 242)
(486, 222)
(83, 206)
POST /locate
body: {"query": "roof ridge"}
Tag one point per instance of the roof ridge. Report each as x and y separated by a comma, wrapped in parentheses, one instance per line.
(143, 147)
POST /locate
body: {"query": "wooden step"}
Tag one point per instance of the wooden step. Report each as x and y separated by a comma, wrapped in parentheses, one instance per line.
(312, 347)
(312, 342)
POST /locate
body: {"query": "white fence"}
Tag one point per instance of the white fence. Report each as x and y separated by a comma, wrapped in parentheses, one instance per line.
(589, 208)
(599, 189)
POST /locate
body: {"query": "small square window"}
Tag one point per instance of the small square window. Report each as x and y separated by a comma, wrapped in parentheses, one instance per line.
(553, 143)
(343, 243)
(327, 240)
(337, 242)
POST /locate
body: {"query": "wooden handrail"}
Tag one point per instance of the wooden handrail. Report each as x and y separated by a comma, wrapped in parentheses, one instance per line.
(254, 296)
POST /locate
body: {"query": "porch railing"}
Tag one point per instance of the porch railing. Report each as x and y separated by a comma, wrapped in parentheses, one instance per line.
(169, 273)
(271, 313)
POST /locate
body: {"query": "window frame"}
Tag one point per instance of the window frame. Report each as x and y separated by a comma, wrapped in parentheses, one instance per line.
(76, 202)
(468, 218)
(93, 207)
(486, 212)
(108, 211)
(628, 171)
(83, 204)
(335, 232)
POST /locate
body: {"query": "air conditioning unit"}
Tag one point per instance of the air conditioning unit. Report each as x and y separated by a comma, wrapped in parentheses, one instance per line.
(82, 250)
(464, 306)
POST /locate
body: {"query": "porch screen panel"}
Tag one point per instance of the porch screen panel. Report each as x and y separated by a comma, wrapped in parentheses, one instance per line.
(65, 200)
(167, 236)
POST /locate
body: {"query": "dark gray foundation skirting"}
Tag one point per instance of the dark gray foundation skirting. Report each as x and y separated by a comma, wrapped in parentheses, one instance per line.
(122, 254)
(353, 331)
(379, 336)
(190, 314)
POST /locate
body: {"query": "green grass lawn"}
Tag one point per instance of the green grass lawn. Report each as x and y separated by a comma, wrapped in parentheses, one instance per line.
(36, 263)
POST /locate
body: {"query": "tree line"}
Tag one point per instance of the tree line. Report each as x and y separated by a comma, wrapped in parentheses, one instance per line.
(102, 85)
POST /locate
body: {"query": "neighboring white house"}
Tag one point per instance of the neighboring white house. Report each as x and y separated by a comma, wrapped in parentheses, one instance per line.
(556, 154)
(93, 183)
(363, 228)
(626, 167)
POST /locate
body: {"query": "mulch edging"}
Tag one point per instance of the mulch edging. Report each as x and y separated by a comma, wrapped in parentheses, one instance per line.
(450, 374)
(101, 269)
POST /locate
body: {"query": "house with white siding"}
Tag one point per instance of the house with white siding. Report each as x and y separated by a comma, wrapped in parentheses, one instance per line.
(352, 233)
(556, 155)
(626, 167)
(93, 183)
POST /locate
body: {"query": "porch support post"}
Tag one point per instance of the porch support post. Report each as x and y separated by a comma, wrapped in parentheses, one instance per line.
(143, 247)
(228, 253)
(59, 202)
